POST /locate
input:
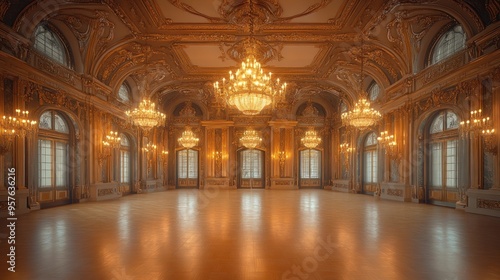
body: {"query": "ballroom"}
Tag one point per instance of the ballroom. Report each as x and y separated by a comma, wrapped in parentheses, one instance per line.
(250, 139)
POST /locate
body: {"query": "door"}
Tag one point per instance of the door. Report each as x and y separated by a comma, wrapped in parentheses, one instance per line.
(251, 171)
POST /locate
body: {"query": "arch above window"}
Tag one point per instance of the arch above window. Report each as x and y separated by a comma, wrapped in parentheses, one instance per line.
(373, 91)
(52, 120)
(371, 139)
(124, 93)
(445, 120)
(50, 45)
(124, 142)
(448, 44)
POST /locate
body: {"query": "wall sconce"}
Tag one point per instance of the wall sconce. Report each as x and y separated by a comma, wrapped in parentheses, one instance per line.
(489, 140)
(110, 141)
(387, 141)
(346, 151)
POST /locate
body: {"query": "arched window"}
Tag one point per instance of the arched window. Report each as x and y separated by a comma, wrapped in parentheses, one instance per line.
(370, 159)
(443, 148)
(373, 91)
(50, 45)
(125, 160)
(310, 162)
(53, 159)
(450, 43)
(124, 93)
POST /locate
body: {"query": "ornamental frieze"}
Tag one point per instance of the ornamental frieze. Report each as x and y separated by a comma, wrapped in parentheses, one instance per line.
(488, 204)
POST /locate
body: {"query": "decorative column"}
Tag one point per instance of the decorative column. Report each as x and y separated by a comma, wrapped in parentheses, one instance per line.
(218, 154)
(283, 155)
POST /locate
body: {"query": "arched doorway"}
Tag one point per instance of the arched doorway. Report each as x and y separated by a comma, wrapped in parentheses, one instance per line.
(55, 159)
(442, 159)
(251, 169)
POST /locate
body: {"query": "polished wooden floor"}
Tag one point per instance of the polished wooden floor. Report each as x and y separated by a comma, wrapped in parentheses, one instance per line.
(254, 234)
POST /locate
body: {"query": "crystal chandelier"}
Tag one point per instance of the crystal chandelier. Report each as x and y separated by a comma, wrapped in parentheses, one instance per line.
(188, 139)
(250, 139)
(362, 116)
(249, 88)
(146, 116)
(311, 139)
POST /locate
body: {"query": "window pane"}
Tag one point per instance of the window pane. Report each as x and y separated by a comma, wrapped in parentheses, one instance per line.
(61, 164)
(314, 163)
(182, 164)
(47, 43)
(373, 92)
(436, 165)
(371, 139)
(437, 124)
(46, 120)
(123, 93)
(251, 164)
(450, 43)
(305, 167)
(44, 163)
(451, 120)
(371, 169)
(125, 166)
(192, 164)
(60, 124)
(451, 163)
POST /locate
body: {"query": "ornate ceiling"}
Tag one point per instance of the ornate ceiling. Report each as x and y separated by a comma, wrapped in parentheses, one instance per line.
(179, 47)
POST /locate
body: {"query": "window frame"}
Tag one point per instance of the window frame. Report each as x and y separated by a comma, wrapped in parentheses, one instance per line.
(306, 161)
(65, 59)
(432, 60)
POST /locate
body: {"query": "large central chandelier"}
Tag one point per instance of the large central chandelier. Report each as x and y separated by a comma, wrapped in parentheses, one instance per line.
(311, 139)
(249, 88)
(188, 139)
(146, 116)
(362, 115)
(250, 139)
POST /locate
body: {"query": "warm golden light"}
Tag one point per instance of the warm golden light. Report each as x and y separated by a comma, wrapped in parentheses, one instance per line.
(311, 140)
(250, 139)
(20, 124)
(362, 116)
(188, 139)
(146, 116)
(249, 89)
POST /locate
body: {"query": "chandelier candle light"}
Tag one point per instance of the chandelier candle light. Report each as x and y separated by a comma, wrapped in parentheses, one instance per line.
(249, 88)
(188, 139)
(250, 139)
(146, 116)
(311, 140)
(19, 124)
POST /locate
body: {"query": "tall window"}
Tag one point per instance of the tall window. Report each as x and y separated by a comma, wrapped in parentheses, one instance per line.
(124, 93)
(443, 150)
(370, 159)
(53, 151)
(187, 164)
(49, 44)
(310, 161)
(251, 164)
(373, 91)
(124, 159)
(450, 43)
